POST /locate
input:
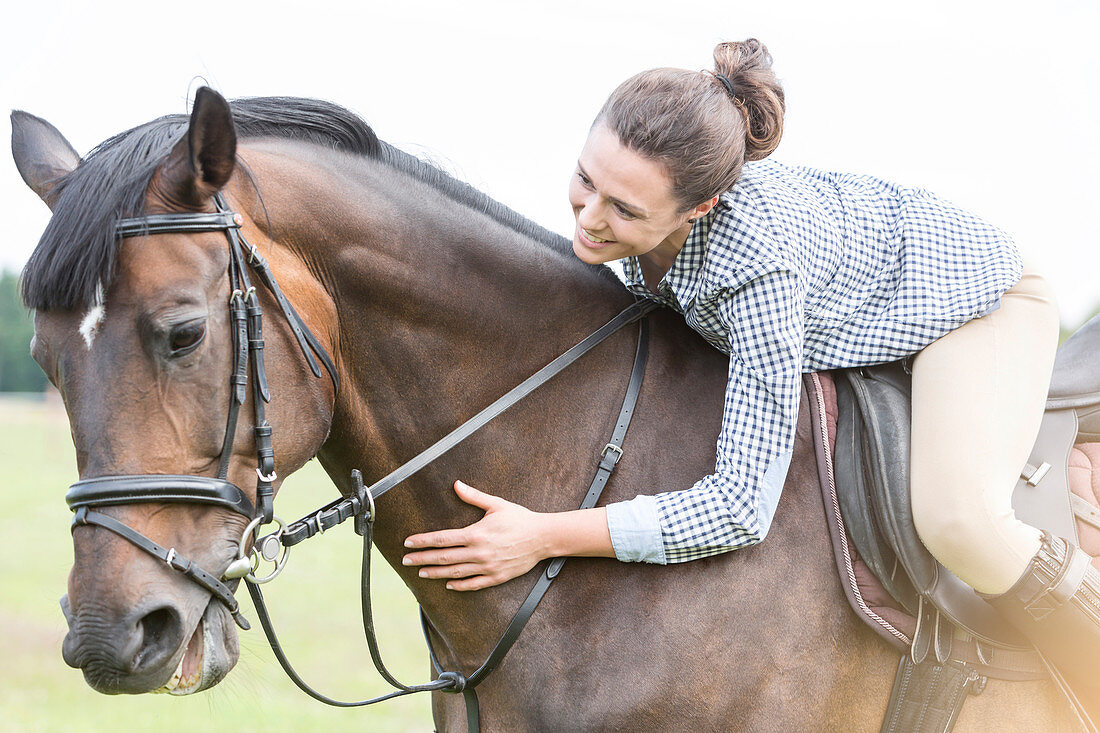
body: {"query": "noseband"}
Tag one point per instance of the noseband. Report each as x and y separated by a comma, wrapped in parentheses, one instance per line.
(246, 319)
(248, 344)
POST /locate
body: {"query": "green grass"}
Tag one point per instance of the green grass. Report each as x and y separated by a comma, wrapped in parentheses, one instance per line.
(315, 604)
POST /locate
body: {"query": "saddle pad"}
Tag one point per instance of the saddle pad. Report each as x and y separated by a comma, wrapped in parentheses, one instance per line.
(1084, 481)
(866, 594)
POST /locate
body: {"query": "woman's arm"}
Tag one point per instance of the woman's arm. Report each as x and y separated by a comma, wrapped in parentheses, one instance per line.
(507, 542)
(728, 509)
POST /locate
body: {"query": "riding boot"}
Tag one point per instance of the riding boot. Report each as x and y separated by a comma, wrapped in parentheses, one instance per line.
(1056, 605)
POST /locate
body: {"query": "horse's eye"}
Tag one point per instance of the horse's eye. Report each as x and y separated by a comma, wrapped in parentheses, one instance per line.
(183, 339)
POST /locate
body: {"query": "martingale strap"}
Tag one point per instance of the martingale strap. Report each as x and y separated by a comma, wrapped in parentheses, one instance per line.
(609, 458)
(361, 506)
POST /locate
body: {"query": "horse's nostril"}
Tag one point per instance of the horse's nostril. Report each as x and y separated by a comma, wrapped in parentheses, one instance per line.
(161, 636)
(156, 625)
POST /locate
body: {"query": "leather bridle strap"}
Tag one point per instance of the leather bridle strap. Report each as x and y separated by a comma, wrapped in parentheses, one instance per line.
(166, 488)
(140, 226)
(226, 220)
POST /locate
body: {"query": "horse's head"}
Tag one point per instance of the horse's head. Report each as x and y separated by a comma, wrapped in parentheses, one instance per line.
(136, 335)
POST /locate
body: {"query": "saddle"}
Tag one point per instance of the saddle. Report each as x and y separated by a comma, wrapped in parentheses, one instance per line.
(953, 640)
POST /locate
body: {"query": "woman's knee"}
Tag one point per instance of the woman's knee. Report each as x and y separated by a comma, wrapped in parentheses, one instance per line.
(946, 527)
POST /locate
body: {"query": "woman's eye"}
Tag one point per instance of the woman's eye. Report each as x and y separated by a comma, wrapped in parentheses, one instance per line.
(584, 180)
(624, 213)
(186, 337)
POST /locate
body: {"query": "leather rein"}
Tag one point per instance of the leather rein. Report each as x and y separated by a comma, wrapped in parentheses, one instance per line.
(247, 331)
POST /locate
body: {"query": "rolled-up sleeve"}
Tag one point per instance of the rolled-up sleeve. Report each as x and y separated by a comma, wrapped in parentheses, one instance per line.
(733, 507)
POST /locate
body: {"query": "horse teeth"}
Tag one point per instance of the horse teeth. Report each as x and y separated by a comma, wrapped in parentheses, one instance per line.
(187, 685)
(173, 682)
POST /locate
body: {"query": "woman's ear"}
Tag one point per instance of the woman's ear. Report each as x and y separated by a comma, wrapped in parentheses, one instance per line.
(702, 209)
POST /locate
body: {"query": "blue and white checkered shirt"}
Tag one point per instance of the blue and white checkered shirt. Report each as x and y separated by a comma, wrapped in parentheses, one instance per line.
(795, 270)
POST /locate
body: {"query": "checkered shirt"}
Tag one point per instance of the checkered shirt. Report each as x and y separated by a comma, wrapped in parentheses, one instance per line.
(796, 270)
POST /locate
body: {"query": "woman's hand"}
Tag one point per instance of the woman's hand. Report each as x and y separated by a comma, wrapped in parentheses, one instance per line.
(502, 545)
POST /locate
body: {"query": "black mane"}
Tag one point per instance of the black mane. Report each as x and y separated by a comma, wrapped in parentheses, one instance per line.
(78, 249)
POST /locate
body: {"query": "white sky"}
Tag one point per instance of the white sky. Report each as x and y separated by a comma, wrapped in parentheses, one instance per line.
(994, 105)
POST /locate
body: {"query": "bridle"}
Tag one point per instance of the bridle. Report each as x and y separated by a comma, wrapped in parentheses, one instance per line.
(246, 326)
(246, 317)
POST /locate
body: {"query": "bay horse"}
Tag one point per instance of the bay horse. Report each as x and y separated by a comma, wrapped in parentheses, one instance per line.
(433, 300)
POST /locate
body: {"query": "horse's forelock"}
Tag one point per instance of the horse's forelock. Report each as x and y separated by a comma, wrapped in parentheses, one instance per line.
(78, 249)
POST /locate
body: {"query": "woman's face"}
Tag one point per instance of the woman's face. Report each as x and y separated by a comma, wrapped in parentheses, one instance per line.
(623, 202)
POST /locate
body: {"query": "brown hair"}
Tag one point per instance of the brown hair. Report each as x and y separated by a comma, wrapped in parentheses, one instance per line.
(691, 124)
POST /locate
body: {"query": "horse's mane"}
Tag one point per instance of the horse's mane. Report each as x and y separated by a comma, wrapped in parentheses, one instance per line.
(78, 250)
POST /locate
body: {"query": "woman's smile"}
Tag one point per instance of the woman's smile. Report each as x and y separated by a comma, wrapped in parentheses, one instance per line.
(591, 240)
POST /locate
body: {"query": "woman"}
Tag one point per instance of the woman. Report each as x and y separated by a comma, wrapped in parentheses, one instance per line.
(790, 270)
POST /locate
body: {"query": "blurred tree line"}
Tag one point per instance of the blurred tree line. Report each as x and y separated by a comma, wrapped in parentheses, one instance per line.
(18, 372)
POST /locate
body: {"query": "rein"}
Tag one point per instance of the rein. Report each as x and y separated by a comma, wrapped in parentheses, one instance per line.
(247, 331)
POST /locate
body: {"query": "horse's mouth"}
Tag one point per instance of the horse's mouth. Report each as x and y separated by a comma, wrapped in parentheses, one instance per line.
(189, 673)
(207, 657)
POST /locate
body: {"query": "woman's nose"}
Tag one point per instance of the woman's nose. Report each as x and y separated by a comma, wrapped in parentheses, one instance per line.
(589, 216)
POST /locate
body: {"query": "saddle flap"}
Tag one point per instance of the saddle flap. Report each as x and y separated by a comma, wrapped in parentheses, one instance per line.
(1043, 499)
(880, 397)
(883, 396)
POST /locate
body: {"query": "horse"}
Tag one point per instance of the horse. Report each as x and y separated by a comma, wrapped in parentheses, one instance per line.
(433, 300)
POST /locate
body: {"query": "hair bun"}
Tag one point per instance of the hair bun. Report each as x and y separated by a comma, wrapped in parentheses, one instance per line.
(748, 66)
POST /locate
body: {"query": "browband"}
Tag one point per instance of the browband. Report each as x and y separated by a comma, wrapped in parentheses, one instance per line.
(170, 223)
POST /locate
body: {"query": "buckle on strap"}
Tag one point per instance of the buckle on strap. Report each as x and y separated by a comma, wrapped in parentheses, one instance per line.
(610, 456)
(615, 450)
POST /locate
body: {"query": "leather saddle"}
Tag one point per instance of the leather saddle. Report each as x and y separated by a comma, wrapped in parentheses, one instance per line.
(872, 476)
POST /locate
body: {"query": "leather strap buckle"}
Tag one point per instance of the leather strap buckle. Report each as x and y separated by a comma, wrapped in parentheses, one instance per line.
(616, 450)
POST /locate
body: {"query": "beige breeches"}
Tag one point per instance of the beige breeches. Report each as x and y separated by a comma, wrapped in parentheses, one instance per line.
(978, 397)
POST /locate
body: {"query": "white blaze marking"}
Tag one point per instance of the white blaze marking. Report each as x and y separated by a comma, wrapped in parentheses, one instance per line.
(94, 317)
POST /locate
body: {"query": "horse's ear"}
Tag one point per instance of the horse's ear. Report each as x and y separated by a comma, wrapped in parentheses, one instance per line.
(202, 162)
(42, 154)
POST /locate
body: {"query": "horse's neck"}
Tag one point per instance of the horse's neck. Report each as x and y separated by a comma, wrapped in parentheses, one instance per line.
(442, 310)
(442, 313)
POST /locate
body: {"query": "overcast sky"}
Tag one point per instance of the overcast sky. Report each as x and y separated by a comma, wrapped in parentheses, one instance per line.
(994, 105)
